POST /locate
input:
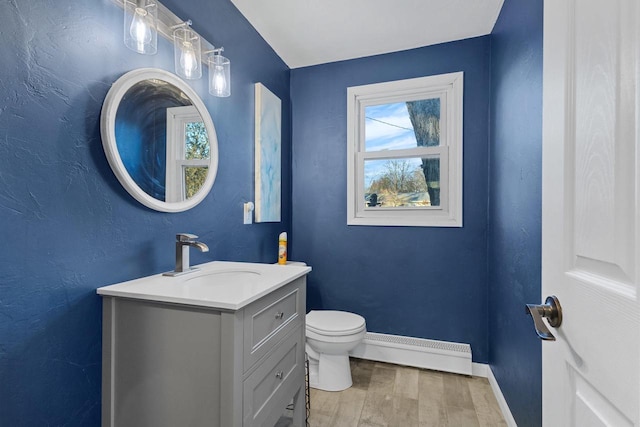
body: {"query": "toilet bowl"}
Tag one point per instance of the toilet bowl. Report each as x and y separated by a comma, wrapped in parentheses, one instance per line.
(331, 335)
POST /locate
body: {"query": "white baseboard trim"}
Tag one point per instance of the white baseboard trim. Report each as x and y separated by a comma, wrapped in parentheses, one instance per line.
(430, 354)
(502, 403)
(484, 370)
(418, 352)
(480, 370)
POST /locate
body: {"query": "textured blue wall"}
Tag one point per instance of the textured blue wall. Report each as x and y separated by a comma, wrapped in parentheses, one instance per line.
(514, 200)
(66, 224)
(412, 281)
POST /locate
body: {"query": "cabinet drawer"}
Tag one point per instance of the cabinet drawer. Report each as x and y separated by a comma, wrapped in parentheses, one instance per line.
(268, 390)
(269, 319)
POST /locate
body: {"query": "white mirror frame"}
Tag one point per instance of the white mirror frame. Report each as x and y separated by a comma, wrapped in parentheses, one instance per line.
(107, 130)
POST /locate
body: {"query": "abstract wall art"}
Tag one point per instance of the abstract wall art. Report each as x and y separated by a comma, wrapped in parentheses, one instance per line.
(268, 155)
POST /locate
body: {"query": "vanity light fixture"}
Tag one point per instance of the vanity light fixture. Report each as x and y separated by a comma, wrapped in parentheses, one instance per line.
(145, 19)
(140, 26)
(186, 52)
(219, 74)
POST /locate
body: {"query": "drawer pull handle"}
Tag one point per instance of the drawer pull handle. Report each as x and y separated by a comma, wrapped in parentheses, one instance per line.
(279, 315)
(279, 375)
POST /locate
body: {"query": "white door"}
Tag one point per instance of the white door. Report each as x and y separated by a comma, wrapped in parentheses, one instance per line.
(590, 212)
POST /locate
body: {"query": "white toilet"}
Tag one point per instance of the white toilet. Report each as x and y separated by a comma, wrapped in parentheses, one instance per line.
(331, 335)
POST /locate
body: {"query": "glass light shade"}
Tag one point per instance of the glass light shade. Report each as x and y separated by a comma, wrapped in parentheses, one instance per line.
(219, 76)
(140, 26)
(186, 53)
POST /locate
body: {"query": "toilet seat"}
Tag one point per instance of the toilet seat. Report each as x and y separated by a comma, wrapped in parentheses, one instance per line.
(334, 323)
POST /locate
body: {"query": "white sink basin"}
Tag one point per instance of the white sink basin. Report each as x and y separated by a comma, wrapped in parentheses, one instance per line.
(220, 277)
(223, 278)
(218, 284)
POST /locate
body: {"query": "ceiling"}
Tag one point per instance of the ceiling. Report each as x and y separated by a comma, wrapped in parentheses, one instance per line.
(311, 32)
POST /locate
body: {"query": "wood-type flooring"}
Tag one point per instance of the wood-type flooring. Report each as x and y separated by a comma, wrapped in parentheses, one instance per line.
(385, 395)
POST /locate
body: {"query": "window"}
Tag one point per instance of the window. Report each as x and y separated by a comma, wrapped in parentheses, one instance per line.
(187, 153)
(404, 151)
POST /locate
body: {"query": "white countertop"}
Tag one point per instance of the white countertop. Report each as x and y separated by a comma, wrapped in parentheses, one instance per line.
(218, 284)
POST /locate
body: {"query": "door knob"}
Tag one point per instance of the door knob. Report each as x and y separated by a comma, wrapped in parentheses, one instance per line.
(552, 310)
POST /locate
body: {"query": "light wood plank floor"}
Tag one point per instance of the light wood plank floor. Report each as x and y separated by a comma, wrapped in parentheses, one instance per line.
(385, 395)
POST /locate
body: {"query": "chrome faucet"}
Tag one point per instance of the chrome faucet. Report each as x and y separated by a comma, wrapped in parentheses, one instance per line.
(183, 242)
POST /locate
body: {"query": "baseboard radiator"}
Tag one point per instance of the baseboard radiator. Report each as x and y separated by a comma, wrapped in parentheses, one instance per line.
(418, 352)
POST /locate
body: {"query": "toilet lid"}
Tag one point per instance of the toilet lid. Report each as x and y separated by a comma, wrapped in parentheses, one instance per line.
(330, 322)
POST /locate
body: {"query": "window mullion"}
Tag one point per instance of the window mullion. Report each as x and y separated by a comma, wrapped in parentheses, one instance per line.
(400, 154)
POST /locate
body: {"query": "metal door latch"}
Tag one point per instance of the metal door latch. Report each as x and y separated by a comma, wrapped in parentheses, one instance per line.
(551, 310)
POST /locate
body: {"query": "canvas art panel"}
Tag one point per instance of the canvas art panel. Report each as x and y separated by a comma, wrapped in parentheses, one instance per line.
(268, 155)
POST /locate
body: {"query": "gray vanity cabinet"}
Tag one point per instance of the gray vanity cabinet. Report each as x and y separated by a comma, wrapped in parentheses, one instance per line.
(168, 364)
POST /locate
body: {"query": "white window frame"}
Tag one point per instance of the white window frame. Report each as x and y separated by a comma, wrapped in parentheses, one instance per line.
(177, 120)
(447, 87)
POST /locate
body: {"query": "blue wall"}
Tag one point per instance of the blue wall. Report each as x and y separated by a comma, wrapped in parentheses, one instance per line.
(515, 206)
(66, 224)
(413, 281)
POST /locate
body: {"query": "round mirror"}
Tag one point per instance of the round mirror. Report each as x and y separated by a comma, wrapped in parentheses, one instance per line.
(159, 140)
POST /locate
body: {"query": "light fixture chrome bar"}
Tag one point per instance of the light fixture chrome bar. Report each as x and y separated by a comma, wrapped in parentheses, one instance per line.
(214, 51)
(187, 23)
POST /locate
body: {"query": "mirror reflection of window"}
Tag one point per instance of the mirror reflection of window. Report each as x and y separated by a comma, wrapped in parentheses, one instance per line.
(141, 132)
(394, 179)
(196, 148)
(187, 153)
